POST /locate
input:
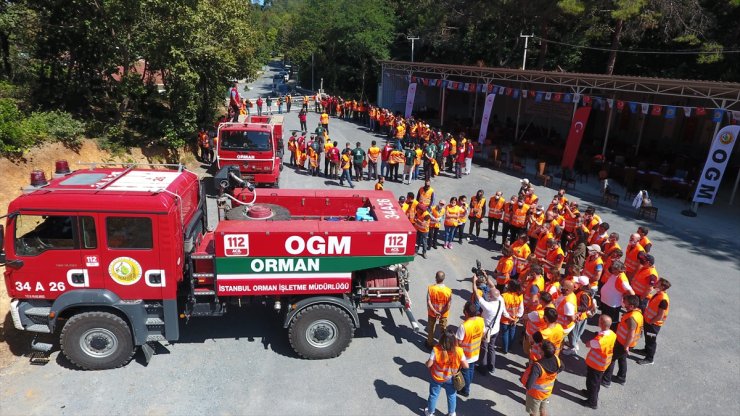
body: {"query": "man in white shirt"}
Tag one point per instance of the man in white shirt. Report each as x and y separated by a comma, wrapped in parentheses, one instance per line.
(491, 309)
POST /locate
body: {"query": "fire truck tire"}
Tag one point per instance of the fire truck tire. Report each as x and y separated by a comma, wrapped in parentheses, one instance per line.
(97, 341)
(320, 331)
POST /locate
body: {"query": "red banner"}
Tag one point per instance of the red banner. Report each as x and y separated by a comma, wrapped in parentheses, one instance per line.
(577, 128)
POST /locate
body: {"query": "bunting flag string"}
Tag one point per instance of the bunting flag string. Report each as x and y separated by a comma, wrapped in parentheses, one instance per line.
(595, 102)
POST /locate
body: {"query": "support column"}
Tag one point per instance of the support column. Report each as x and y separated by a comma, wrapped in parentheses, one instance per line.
(608, 125)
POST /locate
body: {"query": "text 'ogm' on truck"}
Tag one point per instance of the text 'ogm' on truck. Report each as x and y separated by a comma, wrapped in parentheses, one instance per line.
(109, 258)
(255, 146)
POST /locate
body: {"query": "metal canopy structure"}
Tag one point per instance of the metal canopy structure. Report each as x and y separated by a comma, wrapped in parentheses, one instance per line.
(724, 95)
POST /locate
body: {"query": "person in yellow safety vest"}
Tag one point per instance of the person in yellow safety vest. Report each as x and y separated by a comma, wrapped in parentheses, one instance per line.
(632, 255)
(452, 214)
(655, 315)
(462, 201)
(324, 120)
(553, 333)
(598, 360)
(469, 336)
(421, 223)
(477, 211)
(518, 219)
(373, 157)
(446, 360)
(514, 302)
(395, 159)
(379, 184)
(346, 164)
(437, 213)
(409, 206)
(599, 234)
(539, 379)
(439, 299)
(495, 214)
(520, 253)
(425, 195)
(628, 333)
(292, 146)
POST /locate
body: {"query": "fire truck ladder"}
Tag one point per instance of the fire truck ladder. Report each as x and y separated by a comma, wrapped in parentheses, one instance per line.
(203, 300)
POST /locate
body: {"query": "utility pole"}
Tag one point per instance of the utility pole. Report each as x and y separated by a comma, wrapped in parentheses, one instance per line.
(412, 39)
(526, 42)
(312, 89)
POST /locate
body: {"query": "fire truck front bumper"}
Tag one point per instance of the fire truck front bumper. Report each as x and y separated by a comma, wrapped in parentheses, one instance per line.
(16, 315)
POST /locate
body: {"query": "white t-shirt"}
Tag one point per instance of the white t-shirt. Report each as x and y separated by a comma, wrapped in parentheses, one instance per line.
(610, 295)
(488, 309)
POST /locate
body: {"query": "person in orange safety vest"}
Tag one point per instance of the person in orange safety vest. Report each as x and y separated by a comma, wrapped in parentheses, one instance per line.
(598, 360)
(439, 298)
(539, 379)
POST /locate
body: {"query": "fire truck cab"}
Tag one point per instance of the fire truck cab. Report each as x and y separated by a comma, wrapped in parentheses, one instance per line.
(255, 146)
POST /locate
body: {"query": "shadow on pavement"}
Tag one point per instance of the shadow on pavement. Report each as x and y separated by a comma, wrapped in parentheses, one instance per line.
(400, 395)
(416, 369)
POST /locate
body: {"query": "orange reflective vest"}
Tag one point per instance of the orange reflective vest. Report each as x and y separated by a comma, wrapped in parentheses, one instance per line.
(446, 364)
(476, 207)
(599, 359)
(521, 254)
(529, 304)
(553, 334)
(451, 215)
(463, 217)
(652, 311)
(512, 302)
(436, 216)
(473, 335)
(421, 222)
(573, 300)
(425, 197)
(496, 208)
(203, 140)
(570, 222)
(540, 250)
(623, 331)
(589, 304)
(542, 387)
(589, 270)
(641, 282)
(631, 261)
(519, 216)
(439, 296)
(372, 153)
(534, 224)
(503, 270)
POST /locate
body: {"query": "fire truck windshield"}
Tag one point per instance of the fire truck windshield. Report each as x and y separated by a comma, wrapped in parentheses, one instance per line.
(246, 140)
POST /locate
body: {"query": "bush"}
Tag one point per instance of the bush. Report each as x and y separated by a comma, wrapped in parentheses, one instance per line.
(18, 133)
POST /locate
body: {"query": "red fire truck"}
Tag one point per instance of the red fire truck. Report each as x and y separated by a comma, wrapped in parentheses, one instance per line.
(255, 146)
(110, 259)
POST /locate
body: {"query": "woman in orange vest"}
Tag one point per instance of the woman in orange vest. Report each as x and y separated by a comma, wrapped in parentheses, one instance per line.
(437, 212)
(504, 268)
(452, 214)
(514, 302)
(598, 360)
(462, 201)
(539, 379)
(495, 214)
(444, 362)
(470, 336)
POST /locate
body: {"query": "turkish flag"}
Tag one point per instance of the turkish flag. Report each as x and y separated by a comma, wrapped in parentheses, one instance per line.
(701, 111)
(657, 110)
(587, 99)
(577, 128)
(532, 93)
(557, 97)
(620, 105)
(508, 91)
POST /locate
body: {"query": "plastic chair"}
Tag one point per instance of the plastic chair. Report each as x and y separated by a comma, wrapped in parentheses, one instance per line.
(540, 175)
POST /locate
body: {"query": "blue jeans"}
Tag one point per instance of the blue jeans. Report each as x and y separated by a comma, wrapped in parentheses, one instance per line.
(346, 174)
(508, 333)
(575, 334)
(468, 376)
(449, 234)
(385, 169)
(434, 388)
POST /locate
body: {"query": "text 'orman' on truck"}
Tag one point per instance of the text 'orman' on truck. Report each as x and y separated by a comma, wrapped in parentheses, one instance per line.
(111, 259)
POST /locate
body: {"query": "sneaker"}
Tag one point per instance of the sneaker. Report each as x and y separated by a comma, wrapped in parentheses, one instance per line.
(606, 385)
(423, 255)
(619, 380)
(426, 412)
(645, 361)
(586, 403)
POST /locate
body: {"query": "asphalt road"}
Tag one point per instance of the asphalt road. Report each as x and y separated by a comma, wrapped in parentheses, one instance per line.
(243, 363)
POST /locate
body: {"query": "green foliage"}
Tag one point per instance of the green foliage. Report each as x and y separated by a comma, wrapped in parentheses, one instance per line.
(18, 133)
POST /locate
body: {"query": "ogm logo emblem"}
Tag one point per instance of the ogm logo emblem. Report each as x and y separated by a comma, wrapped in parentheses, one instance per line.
(125, 271)
(726, 138)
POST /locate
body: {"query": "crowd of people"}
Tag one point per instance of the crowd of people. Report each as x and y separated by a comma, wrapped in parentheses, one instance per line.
(558, 267)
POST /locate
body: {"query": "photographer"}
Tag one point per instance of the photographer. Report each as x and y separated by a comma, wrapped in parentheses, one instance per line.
(492, 309)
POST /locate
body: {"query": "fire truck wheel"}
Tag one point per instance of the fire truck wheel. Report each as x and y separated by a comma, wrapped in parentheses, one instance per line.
(320, 331)
(97, 341)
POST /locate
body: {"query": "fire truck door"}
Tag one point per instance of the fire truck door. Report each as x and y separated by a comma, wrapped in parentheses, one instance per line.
(48, 247)
(129, 259)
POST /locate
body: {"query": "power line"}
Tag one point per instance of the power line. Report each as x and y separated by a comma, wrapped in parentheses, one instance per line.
(644, 52)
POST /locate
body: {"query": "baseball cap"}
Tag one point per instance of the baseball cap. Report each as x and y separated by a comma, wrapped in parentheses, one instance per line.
(594, 247)
(524, 181)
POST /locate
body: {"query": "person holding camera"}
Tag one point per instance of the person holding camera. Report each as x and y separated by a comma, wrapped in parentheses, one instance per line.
(492, 308)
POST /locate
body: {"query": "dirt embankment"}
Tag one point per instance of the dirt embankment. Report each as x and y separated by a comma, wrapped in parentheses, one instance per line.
(14, 174)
